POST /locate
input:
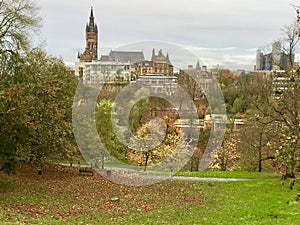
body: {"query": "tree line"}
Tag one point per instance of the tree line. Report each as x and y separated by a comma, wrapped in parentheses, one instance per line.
(36, 92)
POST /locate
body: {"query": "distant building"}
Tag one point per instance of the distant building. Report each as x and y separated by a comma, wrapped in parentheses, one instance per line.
(198, 71)
(159, 64)
(91, 47)
(105, 72)
(112, 67)
(159, 83)
(202, 75)
(123, 56)
(142, 68)
(275, 60)
(117, 65)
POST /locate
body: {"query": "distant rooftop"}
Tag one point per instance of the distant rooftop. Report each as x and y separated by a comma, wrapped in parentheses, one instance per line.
(124, 56)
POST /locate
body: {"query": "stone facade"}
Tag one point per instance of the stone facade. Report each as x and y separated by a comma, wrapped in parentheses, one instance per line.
(90, 53)
(119, 66)
(157, 83)
(159, 64)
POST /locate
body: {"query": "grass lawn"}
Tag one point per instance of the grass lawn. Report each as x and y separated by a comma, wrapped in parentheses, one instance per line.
(61, 196)
(230, 174)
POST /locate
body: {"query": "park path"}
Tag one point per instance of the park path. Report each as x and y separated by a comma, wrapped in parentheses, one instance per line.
(111, 171)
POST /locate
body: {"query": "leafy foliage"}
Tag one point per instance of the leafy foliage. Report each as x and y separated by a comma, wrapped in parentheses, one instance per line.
(18, 20)
(36, 92)
(166, 151)
(106, 133)
(227, 156)
(36, 110)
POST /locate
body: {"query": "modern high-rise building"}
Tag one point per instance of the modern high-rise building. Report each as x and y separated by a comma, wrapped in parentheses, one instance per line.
(275, 60)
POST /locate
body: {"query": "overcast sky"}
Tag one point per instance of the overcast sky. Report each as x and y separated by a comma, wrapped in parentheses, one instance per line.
(224, 32)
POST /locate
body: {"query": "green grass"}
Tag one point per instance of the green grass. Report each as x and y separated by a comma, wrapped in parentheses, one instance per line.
(229, 174)
(62, 196)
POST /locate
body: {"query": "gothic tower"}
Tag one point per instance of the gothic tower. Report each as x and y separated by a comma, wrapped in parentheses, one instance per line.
(198, 67)
(91, 47)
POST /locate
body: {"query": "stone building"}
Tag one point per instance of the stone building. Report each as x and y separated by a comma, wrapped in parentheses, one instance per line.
(157, 83)
(90, 53)
(123, 56)
(112, 67)
(116, 65)
(159, 64)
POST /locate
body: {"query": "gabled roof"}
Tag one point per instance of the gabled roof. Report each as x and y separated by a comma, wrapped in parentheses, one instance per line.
(160, 56)
(105, 58)
(125, 56)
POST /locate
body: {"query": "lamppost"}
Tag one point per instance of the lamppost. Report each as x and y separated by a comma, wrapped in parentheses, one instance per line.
(102, 160)
(147, 157)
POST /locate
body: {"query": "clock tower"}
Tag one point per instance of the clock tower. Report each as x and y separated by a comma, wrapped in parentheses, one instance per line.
(90, 53)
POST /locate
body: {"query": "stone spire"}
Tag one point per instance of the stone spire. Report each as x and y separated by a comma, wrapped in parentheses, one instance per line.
(91, 47)
(153, 54)
(168, 59)
(91, 26)
(198, 67)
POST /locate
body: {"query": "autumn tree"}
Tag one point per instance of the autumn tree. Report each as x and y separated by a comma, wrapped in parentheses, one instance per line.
(287, 122)
(289, 42)
(15, 125)
(50, 85)
(251, 98)
(228, 156)
(38, 99)
(172, 150)
(18, 20)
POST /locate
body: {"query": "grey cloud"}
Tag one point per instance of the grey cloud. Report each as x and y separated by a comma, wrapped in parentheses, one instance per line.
(212, 24)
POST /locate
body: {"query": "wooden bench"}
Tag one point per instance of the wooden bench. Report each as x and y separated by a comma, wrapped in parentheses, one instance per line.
(86, 171)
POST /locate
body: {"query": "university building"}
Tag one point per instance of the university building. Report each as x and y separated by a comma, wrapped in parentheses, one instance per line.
(122, 66)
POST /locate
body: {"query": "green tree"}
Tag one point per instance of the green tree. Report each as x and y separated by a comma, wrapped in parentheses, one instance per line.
(15, 126)
(50, 85)
(41, 98)
(140, 111)
(252, 98)
(105, 130)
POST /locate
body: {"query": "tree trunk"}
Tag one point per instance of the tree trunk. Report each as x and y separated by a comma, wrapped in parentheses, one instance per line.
(259, 153)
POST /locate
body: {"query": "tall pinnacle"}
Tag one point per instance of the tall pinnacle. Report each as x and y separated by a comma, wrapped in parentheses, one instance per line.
(91, 27)
(198, 65)
(92, 14)
(153, 54)
(91, 24)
